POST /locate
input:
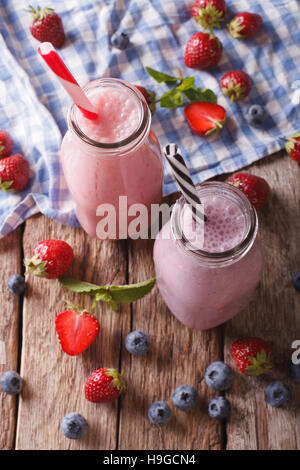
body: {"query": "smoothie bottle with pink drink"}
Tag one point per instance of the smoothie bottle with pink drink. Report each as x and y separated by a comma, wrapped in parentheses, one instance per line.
(115, 155)
(207, 277)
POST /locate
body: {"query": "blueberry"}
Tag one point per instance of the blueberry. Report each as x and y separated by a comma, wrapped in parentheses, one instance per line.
(255, 115)
(295, 372)
(296, 281)
(185, 397)
(120, 40)
(277, 394)
(16, 284)
(74, 426)
(159, 413)
(11, 382)
(219, 376)
(219, 408)
(137, 343)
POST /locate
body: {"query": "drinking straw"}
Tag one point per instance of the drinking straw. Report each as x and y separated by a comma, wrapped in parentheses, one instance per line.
(184, 180)
(53, 60)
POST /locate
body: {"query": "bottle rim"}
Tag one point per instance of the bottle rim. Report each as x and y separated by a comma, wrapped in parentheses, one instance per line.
(224, 257)
(133, 139)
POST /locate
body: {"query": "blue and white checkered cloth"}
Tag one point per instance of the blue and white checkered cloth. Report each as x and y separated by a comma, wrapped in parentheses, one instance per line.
(33, 105)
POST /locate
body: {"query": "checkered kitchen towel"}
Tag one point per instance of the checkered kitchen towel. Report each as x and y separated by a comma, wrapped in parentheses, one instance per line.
(33, 105)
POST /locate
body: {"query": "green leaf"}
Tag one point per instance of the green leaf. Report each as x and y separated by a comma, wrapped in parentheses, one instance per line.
(171, 99)
(186, 84)
(161, 77)
(200, 94)
(105, 297)
(131, 292)
(80, 286)
(110, 294)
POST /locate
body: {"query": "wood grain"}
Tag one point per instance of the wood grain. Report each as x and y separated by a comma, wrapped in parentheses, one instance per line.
(10, 253)
(273, 315)
(177, 356)
(55, 381)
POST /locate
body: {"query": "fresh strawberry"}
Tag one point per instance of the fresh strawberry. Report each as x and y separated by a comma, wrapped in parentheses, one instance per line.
(209, 13)
(47, 26)
(51, 259)
(150, 97)
(76, 330)
(293, 146)
(245, 25)
(252, 356)
(104, 385)
(203, 50)
(236, 85)
(256, 188)
(14, 173)
(6, 144)
(205, 118)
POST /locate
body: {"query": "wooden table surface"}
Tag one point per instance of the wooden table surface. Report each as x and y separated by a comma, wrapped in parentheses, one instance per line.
(54, 382)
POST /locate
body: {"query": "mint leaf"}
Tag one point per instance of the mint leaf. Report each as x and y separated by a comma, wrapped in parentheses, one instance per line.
(112, 294)
(131, 292)
(186, 84)
(200, 94)
(80, 286)
(171, 99)
(161, 77)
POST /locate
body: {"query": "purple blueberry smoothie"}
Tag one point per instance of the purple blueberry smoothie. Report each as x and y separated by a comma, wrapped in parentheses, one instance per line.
(208, 274)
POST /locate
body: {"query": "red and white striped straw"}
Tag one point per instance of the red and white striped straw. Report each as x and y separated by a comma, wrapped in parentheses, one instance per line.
(53, 60)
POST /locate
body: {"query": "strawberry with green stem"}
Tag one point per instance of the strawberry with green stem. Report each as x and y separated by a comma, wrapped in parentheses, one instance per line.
(293, 146)
(104, 385)
(209, 13)
(14, 173)
(245, 25)
(51, 259)
(236, 84)
(252, 356)
(47, 26)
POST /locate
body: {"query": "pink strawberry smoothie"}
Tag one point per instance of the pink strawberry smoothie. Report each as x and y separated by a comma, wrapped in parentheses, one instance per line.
(206, 288)
(116, 155)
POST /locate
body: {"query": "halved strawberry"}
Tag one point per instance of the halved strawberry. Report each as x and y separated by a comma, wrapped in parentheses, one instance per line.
(205, 118)
(76, 330)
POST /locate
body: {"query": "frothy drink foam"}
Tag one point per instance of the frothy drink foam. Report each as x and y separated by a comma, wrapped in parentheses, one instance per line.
(224, 229)
(119, 115)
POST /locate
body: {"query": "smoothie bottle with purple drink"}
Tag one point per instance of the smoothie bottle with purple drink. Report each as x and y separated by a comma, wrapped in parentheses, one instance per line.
(207, 274)
(115, 155)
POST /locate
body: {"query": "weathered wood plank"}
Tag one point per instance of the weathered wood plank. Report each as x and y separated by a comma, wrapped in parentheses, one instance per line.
(10, 255)
(178, 356)
(54, 380)
(273, 315)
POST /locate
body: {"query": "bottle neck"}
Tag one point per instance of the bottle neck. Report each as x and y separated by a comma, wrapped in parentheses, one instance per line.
(234, 196)
(134, 140)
